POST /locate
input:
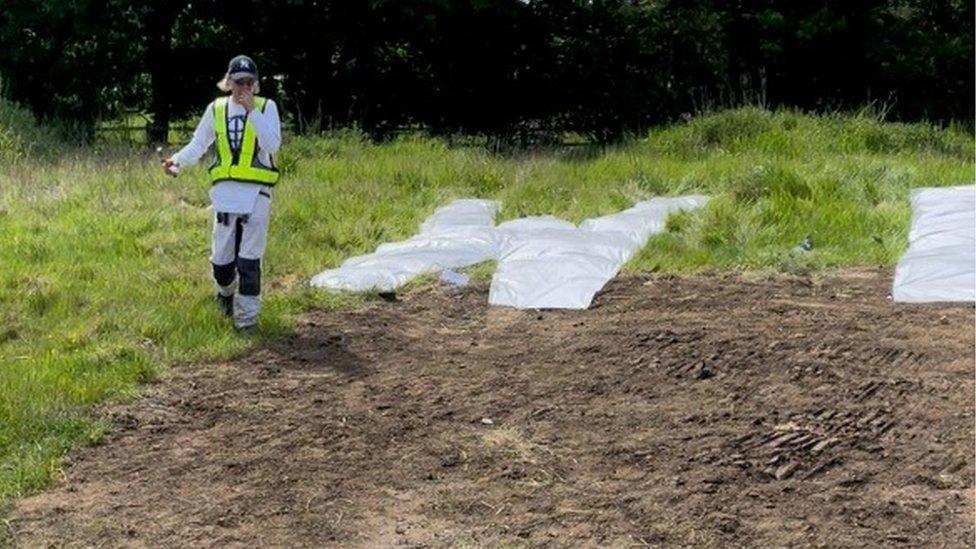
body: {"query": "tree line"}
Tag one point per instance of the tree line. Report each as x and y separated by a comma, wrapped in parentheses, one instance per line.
(508, 68)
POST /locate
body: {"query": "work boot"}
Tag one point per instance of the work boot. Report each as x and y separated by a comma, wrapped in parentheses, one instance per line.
(225, 303)
(246, 309)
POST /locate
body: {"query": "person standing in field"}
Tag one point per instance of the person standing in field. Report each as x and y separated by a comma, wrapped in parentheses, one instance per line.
(245, 132)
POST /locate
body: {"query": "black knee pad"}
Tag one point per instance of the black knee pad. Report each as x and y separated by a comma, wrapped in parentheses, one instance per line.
(224, 274)
(250, 271)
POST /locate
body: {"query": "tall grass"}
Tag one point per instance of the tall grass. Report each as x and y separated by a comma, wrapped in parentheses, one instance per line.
(21, 137)
(104, 280)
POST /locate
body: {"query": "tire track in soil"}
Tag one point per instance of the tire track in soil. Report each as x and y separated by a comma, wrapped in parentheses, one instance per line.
(708, 411)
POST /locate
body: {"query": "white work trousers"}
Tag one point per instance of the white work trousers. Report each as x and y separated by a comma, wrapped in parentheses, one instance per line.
(237, 247)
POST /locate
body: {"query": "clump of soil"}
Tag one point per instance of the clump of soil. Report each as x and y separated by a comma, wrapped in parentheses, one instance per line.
(712, 410)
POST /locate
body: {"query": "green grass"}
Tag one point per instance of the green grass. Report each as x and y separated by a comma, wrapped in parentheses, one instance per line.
(104, 280)
(21, 138)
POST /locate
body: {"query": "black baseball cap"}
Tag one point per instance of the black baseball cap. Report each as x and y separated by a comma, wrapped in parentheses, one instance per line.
(242, 66)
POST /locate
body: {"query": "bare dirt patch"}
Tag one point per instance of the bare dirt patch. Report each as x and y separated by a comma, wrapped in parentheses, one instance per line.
(677, 411)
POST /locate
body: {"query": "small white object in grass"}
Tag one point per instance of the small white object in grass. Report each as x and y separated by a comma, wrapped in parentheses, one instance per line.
(804, 246)
(455, 279)
(487, 421)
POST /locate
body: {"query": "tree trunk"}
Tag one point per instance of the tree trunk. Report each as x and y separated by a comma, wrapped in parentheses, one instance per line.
(159, 57)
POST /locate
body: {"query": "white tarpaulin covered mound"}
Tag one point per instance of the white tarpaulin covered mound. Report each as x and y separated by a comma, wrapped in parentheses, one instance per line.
(543, 262)
(940, 264)
(457, 235)
(547, 263)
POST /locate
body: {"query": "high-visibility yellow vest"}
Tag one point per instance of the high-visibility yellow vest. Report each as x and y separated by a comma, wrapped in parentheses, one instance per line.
(244, 166)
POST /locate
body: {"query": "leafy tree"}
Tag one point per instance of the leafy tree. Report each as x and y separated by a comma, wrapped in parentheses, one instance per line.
(506, 68)
(71, 61)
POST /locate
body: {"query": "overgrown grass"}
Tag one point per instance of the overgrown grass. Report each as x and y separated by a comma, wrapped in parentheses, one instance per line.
(22, 138)
(104, 279)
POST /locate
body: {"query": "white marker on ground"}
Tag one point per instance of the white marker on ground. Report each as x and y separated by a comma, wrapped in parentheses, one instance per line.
(940, 264)
(457, 235)
(547, 263)
(544, 262)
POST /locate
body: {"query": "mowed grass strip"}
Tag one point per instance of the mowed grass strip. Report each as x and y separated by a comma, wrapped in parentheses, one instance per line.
(104, 274)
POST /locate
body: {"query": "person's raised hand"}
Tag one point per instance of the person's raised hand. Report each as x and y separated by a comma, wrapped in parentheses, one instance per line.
(245, 98)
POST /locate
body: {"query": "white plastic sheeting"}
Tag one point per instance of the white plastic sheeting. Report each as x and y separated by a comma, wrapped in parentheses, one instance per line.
(544, 262)
(940, 264)
(547, 263)
(457, 235)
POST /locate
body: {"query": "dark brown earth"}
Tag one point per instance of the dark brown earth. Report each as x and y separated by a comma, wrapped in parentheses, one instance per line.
(707, 411)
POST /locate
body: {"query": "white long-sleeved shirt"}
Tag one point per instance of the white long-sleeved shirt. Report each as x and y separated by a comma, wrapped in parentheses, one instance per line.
(235, 196)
